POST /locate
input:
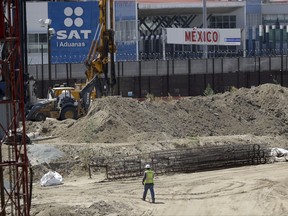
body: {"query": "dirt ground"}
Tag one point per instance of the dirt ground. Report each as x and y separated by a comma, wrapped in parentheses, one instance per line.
(256, 190)
(118, 127)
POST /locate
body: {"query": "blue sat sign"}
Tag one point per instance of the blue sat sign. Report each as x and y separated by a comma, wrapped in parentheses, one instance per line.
(75, 24)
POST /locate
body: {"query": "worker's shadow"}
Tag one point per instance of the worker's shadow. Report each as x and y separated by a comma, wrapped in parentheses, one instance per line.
(159, 203)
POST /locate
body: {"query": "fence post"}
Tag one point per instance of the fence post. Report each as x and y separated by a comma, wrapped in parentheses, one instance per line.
(122, 75)
(270, 64)
(140, 95)
(118, 78)
(238, 72)
(189, 77)
(149, 84)
(205, 75)
(213, 74)
(281, 52)
(55, 72)
(70, 67)
(167, 81)
(42, 71)
(286, 58)
(67, 74)
(222, 74)
(259, 70)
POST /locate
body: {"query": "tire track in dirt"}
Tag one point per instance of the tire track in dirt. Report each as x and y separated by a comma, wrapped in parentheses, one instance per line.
(273, 197)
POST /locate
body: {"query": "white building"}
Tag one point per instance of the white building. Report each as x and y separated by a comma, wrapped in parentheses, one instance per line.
(153, 16)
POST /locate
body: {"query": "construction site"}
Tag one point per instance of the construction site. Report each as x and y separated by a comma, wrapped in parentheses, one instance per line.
(84, 152)
(211, 156)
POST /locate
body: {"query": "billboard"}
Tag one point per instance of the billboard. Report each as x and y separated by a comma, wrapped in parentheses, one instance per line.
(126, 30)
(75, 24)
(186, 36)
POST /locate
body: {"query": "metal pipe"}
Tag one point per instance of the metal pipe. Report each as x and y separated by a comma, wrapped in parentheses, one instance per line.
(205, 47)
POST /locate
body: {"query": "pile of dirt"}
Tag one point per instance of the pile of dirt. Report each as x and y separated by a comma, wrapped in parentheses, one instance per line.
(47, 129)
(100, 208)
(258, 111)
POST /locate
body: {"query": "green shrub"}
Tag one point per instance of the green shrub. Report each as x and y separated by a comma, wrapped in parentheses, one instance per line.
(208, 91)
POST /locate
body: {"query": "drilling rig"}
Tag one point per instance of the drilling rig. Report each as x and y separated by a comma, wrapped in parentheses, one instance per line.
(15, 178)
(102, 49)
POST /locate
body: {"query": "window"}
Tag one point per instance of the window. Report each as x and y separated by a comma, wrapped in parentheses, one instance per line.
(32, 38)
(42, 38)
(125, 30)
(35, 42)
(222, 22)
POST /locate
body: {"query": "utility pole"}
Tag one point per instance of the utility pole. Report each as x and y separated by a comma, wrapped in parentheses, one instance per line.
(50, 32)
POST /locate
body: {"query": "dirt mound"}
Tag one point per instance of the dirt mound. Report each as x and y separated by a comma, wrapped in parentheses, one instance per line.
(258, 111)
(51, 127)
(100, 208)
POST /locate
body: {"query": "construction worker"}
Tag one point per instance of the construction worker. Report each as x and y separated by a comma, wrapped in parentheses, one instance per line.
(148, 182)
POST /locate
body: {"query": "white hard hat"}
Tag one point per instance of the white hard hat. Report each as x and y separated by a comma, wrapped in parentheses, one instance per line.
(147, 166)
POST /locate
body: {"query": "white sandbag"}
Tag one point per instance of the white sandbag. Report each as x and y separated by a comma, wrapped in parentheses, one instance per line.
(279, 155)
(279, 152)
(51, 178)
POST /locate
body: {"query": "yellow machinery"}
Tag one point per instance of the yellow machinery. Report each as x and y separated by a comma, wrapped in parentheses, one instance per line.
(73, 102)
(102, 49)
(63, 103)
(74, 91)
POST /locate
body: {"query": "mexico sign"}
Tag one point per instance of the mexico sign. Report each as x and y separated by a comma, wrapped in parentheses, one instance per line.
(228, 37)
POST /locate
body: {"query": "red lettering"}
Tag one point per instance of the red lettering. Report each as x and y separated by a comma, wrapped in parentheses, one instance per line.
(187, 36)
(215, 36)
(200, 36)
(194, 38)
(209, 36)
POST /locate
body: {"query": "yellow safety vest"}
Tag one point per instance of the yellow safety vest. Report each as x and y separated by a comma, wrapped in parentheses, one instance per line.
(149, 177)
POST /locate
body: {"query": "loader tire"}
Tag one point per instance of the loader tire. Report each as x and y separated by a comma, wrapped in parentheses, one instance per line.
(68, 113)
(40, 117)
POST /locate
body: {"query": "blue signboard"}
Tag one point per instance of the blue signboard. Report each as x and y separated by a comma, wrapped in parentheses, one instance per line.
(75, 24)
(126, 30)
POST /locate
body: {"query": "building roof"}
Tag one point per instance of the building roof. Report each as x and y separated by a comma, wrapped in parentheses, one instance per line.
(173, 1)
(184, 7)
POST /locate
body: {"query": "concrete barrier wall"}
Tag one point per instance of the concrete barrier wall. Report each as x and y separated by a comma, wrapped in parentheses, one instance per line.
(172, 67)
(177, 77)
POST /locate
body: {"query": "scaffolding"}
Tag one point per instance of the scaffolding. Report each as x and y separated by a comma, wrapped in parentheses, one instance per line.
(15, 192)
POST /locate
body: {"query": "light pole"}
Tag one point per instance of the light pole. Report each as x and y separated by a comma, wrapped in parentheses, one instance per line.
(204, 13)
(50, 32)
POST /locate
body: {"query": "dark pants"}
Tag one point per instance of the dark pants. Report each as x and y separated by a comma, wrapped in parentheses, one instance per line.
(151, 188)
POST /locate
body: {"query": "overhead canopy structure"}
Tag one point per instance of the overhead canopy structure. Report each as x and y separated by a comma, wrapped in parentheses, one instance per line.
(184, 7)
